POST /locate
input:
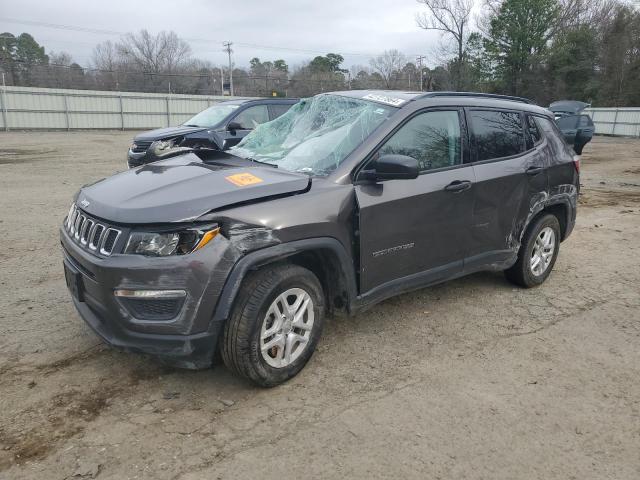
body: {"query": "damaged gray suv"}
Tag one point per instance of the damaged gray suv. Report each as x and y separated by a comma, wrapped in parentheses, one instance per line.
(347, 199)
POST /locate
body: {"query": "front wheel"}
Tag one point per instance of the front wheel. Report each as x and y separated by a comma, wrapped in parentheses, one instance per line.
(537, 254)
(275, 325)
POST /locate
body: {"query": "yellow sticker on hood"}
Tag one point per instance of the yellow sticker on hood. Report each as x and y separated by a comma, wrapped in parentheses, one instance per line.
(243, 179)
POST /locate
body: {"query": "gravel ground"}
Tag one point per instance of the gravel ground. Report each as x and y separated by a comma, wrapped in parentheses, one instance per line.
(470, 379)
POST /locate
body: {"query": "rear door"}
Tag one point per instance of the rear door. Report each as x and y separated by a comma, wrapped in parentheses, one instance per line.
(410, 227)
(511, 179)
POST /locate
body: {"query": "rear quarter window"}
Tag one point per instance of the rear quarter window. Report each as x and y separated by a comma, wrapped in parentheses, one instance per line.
(496, 134)
(556, 140)
(534, 135)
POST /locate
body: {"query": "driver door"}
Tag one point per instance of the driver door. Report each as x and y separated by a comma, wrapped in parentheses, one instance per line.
(418, 228)
(248, 119)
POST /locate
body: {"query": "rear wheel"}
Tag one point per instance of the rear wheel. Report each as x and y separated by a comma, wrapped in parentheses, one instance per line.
(275, 325)
(537, 254)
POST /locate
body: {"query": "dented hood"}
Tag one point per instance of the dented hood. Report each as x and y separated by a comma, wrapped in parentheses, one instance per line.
(182, 189)
(167, 132)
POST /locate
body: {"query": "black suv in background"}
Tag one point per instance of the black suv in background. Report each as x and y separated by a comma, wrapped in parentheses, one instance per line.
(347, 199)
(220, 126)
(577, 127)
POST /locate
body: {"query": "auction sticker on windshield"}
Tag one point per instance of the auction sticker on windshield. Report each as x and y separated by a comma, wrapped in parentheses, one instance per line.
(243, 179)
(396, 102)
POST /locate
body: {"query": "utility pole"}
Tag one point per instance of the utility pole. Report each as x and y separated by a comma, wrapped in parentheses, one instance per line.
(227, 48)
(419, 59)
(221, 81)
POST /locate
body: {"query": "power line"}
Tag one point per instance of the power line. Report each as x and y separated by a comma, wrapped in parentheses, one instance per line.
(204, 40)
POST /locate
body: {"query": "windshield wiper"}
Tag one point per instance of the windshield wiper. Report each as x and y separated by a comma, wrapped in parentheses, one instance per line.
(189, 125)
(262, 163)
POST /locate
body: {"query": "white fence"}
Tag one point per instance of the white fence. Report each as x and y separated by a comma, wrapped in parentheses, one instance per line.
(26, 108)
(47, 108)
(624, 121)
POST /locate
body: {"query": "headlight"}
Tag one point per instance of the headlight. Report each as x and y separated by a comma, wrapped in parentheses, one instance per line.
(164, 244)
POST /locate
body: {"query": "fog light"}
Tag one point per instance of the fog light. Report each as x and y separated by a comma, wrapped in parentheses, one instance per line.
(152, 305)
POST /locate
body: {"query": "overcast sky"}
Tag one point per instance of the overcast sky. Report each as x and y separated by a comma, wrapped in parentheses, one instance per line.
(356, 29)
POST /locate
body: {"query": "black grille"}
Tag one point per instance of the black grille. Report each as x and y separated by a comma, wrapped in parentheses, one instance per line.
(153, 309)
(141, 146)
(110, 240)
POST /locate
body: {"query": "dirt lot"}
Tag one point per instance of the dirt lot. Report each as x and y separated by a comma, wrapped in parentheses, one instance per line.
(471, 379)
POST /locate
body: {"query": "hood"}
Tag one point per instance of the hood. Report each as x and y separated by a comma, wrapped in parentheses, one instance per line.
(182, 189)
(568, 107)
(160, 133)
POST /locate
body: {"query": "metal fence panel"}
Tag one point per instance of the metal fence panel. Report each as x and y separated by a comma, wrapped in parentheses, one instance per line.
(623, 121)
(51, 109)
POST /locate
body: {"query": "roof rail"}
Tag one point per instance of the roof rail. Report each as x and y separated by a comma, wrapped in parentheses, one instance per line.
(474, 94)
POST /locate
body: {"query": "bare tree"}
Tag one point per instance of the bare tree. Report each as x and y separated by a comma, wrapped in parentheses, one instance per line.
(60, 58)
(389, 66)
(104, 56)
(164, 52)
(452, 18)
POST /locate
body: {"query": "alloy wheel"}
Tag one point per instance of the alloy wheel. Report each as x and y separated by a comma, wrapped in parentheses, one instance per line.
(286, 328)
(543, 250)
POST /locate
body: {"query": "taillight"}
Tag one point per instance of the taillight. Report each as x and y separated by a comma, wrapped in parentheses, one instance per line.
(576, 162)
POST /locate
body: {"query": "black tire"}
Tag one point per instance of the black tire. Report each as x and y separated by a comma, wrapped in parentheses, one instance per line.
(521, 273)
(240, 341)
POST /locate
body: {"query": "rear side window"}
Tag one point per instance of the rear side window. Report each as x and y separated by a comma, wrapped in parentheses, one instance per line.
(496, 134)
(277, 110)
(432, 138)
(534, 134)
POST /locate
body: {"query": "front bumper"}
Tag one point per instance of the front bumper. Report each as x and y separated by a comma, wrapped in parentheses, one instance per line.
(189, 339)
(135, 159)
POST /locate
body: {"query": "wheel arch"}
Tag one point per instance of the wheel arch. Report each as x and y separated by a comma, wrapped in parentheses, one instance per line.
(326, 257)
(562, 210)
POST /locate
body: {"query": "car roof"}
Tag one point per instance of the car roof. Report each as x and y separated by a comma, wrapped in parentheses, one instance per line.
(399, 99)
(243, 101)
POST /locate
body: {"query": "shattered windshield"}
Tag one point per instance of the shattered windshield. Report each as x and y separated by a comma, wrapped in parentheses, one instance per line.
(315, 135)
(211, 116)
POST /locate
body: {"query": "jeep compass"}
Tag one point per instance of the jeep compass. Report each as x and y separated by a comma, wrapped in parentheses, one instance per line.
(347, 199)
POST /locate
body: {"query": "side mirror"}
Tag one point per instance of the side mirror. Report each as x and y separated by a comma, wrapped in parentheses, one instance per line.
(391, 167)
(233, 126)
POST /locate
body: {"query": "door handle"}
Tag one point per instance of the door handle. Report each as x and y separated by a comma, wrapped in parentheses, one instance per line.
(534, 170)
(458, 186)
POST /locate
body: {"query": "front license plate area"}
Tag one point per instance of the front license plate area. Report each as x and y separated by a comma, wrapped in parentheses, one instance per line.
(74, 281)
